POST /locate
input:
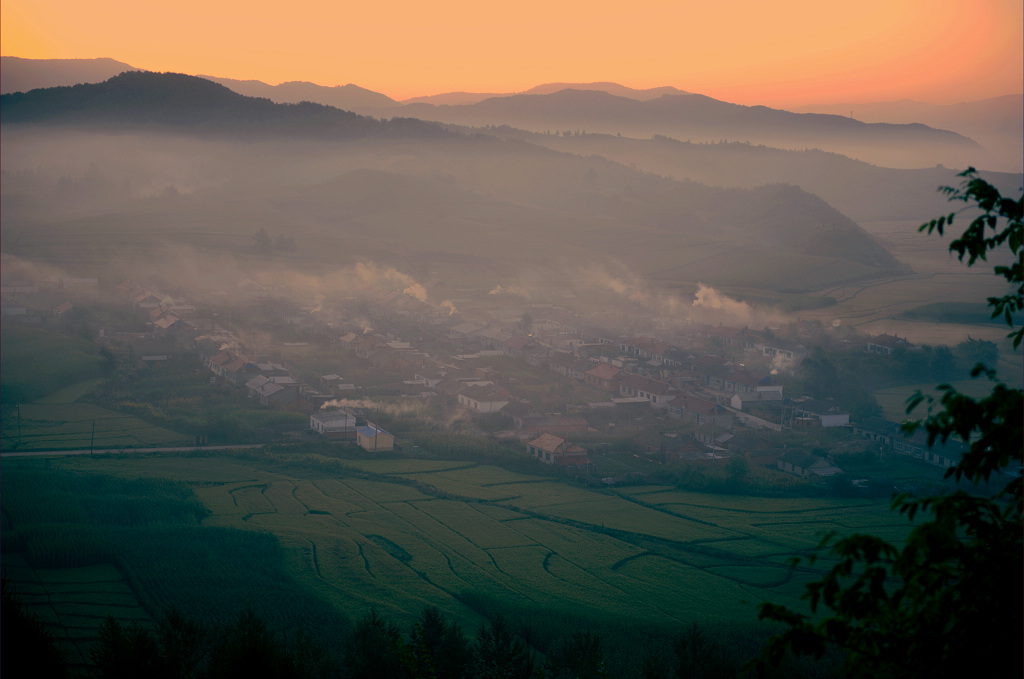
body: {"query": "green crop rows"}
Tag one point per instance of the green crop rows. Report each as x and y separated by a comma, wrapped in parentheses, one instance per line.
(409, 534)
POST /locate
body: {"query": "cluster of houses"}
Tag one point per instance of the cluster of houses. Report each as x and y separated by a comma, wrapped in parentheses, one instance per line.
(730, 407)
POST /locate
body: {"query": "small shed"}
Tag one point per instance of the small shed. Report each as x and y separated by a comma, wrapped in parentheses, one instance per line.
(374, 439)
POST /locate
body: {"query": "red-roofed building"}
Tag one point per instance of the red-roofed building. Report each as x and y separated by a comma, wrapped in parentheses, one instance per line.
(552, 449)
(603, 376)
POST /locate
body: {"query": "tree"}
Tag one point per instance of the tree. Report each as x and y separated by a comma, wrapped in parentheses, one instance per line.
(375, 649)
(439, 648)
(124, 651)
(501, 653)
(580, 656)
(26, 641)
(949, 598)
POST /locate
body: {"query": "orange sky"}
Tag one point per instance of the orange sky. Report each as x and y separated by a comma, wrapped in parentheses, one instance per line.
(785, 53)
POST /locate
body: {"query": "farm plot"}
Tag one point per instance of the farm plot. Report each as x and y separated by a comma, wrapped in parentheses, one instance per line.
(688, 593)
(59, 426)
(454, 484)
(791, 522)
(487, 476)
(614, 513)
(403, 466)
(478, 528)
(357, 543)
(72, 603)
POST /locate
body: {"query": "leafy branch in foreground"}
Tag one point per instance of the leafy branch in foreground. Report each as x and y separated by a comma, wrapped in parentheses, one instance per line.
(950, 598)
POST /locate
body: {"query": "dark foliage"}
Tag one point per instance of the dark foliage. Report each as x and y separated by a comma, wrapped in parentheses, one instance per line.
(375, 650)
(439, 648)
(501, 653)
(579, 656)
(951, 595)
(26, 642)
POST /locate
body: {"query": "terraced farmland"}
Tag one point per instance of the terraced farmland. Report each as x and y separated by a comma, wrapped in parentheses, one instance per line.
(397, 535)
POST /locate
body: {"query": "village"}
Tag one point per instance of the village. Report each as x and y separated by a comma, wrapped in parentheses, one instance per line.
(558, 384)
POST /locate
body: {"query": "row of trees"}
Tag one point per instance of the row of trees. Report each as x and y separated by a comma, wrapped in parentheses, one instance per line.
(434, 648)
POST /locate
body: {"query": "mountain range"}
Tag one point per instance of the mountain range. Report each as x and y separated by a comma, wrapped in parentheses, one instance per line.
(986, 134)
(179, 159)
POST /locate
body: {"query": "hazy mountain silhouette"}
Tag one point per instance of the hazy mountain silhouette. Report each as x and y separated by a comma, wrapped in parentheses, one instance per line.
(139, 98)
(355, 184)
(701, 118)
(346, 97)
(610, 88)
(863, 191)
(996, 123)
(22, 75)
(614, 109)
(465, 98)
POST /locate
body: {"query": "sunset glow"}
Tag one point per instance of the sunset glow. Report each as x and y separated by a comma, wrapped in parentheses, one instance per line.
(746, 51)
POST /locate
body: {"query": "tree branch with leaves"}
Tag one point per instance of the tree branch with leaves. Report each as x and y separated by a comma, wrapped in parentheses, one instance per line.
(949, 600)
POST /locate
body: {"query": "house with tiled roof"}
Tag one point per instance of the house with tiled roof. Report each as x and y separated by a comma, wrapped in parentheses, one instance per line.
(648, 349)
(603, 376)
(637, 386)
(884, 344)
(517, 344)
(743, 400)
(276, 395)
(488, 398)
(877, 429)
(555, 450)
(804, 464)
(741, 381)
(820, 413)
(699, 410)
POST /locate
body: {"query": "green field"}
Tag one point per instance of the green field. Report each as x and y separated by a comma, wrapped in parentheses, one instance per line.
(398, 535)
(36, 362)
(45, 376)
(59, 422)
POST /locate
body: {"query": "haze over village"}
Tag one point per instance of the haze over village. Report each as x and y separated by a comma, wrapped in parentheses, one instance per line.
(573, 366)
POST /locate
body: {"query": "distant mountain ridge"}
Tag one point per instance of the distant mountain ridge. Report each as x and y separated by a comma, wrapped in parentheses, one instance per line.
(22, 75)
(346, 97)
(141, 98)
(996, 123)
(615, 109)
(700, 118)
(468, 98)
(410, 186)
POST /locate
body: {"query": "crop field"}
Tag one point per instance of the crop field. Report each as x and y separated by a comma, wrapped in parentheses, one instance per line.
(412, 533)
(60, 426)
(73, 602)
(58, 421)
